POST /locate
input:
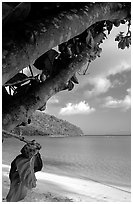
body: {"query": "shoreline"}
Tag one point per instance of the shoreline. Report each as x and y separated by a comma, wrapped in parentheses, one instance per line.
(56, 188)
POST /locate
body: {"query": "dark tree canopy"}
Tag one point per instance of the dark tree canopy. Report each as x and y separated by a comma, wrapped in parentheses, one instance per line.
(31, 31)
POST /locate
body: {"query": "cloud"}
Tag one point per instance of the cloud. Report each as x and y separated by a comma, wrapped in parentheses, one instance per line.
(101, 85)
(124, 66)
(118, 82)
(125, 103)
(101, 82)
(53, 100)
(80, 108)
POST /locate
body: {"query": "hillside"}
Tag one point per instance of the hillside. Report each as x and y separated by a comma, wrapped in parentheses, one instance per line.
(44, 124)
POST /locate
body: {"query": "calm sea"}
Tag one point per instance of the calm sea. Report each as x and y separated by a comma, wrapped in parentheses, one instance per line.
(102, 159)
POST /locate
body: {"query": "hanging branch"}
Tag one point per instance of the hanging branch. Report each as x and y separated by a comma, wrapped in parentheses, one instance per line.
(6, 134)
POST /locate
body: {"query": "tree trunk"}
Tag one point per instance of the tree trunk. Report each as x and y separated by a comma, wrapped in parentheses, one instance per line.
(26, 42)
(21, 108)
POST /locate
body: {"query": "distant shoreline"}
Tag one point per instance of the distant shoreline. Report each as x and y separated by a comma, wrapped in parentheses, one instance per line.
(65, 136)
(107, 135)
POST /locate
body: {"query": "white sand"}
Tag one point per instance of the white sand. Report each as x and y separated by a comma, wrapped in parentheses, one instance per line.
(76, 189)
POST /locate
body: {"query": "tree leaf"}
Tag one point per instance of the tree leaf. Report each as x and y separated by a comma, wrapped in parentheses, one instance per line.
(17, 188)
(26, 171)
(74, 79)
(70, 85)
(109, 26)
(22, 176)
(17, 191)
(38, 163)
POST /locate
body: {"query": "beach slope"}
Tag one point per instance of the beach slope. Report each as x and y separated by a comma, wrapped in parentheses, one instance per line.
(55, 188)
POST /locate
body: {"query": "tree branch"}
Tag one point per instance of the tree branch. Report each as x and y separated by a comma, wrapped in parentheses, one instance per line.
(21, 108)
(24, 44)
(6, 134)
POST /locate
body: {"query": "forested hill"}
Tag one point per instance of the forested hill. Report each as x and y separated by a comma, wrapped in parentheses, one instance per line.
(44, 124)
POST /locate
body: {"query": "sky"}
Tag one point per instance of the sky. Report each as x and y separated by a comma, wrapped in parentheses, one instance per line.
(101, 103)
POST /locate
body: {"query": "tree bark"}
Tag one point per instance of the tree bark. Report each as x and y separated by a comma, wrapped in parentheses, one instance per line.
(20, 109)
(24, 44)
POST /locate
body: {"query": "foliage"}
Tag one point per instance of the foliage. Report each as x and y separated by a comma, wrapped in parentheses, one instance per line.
(43, 124)
(22, 171)
(124, 40)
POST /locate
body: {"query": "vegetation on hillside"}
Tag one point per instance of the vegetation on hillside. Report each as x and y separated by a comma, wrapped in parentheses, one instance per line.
(43, 124)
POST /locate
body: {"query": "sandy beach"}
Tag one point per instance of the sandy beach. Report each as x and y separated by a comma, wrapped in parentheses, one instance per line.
(55, 188)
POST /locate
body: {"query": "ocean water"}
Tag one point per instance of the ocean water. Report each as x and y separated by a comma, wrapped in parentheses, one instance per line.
(102, 159)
